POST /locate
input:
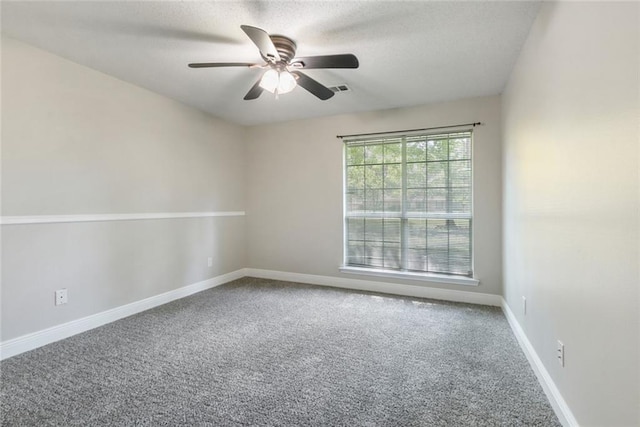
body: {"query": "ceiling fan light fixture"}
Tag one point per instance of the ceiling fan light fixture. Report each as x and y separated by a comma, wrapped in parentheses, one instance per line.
(282, 81)
(283, 67)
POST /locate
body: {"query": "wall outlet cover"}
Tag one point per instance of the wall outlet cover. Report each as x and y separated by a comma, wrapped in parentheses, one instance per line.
(61, 297)
(560, 354)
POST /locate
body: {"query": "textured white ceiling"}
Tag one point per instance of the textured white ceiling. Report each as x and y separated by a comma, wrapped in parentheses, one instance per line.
(410, 53)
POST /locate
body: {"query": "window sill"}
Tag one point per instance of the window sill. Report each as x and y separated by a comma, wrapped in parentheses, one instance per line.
(424, 277)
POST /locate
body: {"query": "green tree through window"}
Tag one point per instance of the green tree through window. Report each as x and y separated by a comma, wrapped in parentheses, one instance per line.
(408, 203)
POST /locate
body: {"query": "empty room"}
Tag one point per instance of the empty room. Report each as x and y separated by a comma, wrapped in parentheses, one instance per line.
(323, 213)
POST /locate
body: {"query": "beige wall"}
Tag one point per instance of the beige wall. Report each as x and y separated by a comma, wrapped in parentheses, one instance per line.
(571, 203)
(294, 188)
(76, 141)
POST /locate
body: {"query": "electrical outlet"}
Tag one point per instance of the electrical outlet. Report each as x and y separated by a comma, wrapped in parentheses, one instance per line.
(61, 296)
(524, 305)
(560, 353)
(210, 261)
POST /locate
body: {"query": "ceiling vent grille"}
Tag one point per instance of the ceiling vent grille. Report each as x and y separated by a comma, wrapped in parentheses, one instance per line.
(340, 88)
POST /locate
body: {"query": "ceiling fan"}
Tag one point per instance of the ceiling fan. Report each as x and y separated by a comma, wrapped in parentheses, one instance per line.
(283, 69)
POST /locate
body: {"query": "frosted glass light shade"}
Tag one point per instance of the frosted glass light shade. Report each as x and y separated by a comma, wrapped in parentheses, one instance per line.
(270, 80)
(283, 81)
(287, 82)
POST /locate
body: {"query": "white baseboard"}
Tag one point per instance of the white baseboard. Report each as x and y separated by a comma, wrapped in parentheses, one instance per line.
(38, 339)
(558, 403)
(46, 336)
(382, 287)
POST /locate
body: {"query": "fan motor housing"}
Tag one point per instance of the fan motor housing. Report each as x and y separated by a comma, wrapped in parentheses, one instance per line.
(285, 46)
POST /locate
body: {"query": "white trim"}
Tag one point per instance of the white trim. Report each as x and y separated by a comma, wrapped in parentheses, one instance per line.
(558, 403)
(413, 215)
(52, 219)
(38, 339)
(424, 277)
(382, 287)
(46, 336)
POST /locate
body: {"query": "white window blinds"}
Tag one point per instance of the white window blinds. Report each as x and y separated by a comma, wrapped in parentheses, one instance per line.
(408, 203)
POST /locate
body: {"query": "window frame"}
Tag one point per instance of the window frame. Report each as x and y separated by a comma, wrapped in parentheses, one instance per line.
(403, 272)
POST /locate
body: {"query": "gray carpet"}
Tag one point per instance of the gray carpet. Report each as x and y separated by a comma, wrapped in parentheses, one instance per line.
(261, 352)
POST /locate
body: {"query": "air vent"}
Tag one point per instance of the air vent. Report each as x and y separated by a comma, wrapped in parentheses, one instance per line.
(340, 88)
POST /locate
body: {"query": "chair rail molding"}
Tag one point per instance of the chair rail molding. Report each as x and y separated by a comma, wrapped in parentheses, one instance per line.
(55, 219)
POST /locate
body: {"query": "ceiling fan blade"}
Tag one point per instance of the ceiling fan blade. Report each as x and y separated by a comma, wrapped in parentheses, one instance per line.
(261, 39)
(328, 61)
(313, 86)
(221, 64)
(255, 91)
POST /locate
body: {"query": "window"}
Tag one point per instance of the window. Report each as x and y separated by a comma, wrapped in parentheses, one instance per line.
(408, 203)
